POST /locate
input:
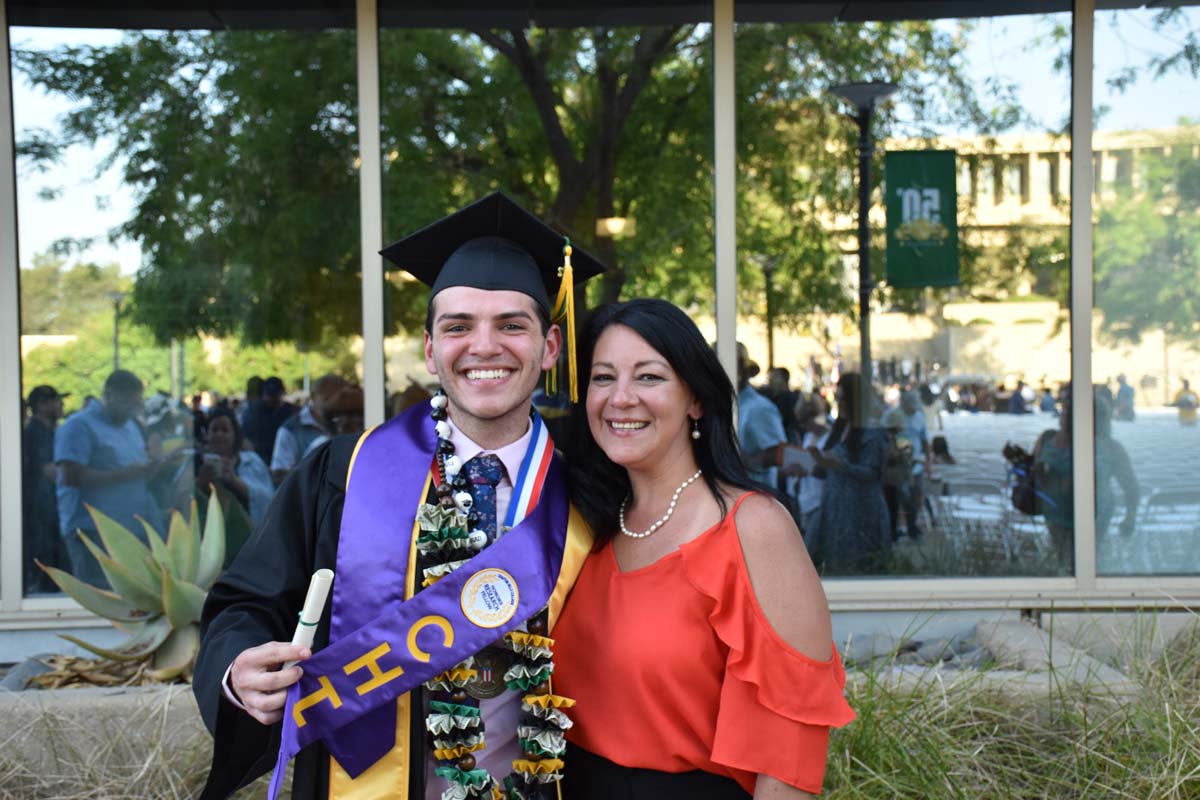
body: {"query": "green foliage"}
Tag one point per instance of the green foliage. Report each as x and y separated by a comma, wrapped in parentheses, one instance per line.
(54, 299)
(1147, 247)
(158, 588)
(241, 146)
(74, 301)
(81, 367)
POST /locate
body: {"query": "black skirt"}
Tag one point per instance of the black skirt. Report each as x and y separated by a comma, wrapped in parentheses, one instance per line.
(588, 776)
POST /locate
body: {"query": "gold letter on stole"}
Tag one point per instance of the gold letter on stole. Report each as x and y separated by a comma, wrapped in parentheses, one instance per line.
(326, 692)
(369, 660)
(423, 622)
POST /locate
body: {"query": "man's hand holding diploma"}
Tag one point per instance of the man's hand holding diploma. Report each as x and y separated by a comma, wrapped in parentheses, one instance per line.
(261, 675)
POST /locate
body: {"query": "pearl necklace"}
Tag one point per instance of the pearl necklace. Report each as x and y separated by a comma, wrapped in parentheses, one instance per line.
(663, 520)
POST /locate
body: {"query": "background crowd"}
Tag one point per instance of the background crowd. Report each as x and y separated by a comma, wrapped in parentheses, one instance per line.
(857, 474)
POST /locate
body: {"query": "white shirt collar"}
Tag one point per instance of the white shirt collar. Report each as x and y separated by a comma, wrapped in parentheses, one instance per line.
(510, 455)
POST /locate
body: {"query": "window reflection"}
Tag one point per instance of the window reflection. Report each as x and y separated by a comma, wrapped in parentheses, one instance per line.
(188, 219)
(1144, 361)
(922, 487)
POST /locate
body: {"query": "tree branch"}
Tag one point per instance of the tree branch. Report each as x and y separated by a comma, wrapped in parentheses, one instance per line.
(652, 45)
(533, 74)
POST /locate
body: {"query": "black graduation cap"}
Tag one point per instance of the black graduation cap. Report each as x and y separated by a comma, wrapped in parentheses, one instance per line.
(495, 244)
(492, 244)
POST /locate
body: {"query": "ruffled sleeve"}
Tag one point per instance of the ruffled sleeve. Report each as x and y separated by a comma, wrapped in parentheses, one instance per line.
(777, 705)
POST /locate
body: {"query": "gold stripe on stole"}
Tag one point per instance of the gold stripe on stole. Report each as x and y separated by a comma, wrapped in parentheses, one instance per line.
(575, 552)
(387, 777)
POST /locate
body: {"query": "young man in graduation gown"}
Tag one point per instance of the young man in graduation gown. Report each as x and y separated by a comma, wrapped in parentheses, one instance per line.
(453, 546)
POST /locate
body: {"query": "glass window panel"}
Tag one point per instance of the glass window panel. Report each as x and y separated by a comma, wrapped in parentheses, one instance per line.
(604, 131)
(951, 365)
(188, 215)
(1145, 349)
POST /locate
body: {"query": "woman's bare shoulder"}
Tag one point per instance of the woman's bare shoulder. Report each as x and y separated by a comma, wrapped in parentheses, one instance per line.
(785, 583)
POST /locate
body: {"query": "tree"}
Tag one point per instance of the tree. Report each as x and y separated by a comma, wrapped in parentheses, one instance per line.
(54, 299)
(242, 149)
(1147, 247)
(76, 301)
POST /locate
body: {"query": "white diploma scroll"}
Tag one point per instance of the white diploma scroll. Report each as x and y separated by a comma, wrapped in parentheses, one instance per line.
(314, 604)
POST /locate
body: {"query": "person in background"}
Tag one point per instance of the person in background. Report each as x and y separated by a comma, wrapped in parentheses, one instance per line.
(1052, 467)
(854, 532)
(1016, 401)
(1123, 407)
(343, 414)
(199, 417)
(103, 463)
(39, 515)
(780, 392)
(760, 428)
(412, 394)
(916, 432)
(224, 464)
(264, 417)
(812, 414)
(931, 406)
(1187, 402)
(307, 428)
(697, 642)
(254, 389)
(897, 469)
(1047, 404)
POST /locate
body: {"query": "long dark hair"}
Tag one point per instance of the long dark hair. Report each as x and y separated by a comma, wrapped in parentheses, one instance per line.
(598, 486)
(849, 424)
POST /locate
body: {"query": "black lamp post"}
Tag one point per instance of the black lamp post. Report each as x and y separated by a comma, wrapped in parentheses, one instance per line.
(864, 96)
(768, 268)
(116, 298)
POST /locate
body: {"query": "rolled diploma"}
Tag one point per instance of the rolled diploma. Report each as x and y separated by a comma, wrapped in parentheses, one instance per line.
(314, 604)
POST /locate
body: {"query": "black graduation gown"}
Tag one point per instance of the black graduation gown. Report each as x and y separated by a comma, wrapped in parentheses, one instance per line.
(258, 600)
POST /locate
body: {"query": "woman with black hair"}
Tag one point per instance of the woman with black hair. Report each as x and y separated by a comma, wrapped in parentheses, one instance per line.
(241, 478)
(697, 638)
(854, 532)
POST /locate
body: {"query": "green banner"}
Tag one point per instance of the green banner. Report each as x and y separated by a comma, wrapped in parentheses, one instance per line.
(922, 218)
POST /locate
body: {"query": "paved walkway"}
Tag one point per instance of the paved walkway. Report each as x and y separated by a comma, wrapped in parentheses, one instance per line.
(1166, 461)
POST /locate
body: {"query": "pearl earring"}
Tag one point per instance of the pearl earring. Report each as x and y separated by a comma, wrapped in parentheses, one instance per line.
(695, 429)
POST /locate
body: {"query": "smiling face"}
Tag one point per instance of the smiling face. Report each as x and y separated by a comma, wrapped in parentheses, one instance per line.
(488, 351)
(639, 409)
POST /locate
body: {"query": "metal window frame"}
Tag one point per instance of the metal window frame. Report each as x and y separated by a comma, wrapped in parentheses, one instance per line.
(1085, 589)
(725, 184)
(370, 176)
(11, 587)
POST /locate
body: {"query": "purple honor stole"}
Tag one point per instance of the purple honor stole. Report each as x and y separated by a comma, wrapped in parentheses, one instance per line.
(381, 645)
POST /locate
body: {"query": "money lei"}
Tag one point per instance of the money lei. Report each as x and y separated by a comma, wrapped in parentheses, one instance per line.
(447, 540)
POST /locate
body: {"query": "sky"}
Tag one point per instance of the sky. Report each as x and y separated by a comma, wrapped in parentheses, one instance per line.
(998, 49)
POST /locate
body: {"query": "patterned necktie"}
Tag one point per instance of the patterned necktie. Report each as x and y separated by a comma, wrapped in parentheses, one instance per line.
(484, 472)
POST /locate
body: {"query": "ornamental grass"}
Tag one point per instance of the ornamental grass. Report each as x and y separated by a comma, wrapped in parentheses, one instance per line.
(958, 736)
(932, 734)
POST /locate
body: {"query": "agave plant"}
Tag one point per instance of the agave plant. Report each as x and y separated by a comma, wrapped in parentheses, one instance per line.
(157, 590)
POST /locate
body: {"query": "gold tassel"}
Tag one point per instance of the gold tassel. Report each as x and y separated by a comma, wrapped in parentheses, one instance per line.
(564, 310)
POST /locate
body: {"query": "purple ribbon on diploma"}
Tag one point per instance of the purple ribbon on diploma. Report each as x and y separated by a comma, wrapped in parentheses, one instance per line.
(381, 645)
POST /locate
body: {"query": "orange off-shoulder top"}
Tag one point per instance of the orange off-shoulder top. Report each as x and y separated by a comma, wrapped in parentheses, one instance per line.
(675, 668)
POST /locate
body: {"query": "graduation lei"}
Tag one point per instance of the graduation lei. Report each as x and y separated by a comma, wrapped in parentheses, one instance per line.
(446, 541)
